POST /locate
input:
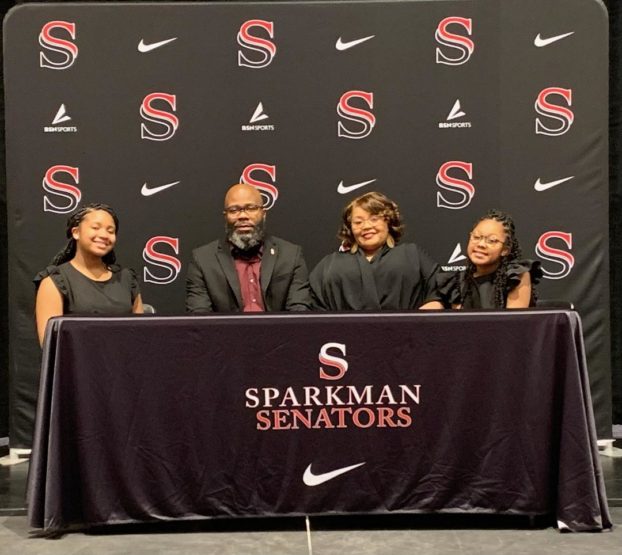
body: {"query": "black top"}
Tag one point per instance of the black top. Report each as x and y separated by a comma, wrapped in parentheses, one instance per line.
(82, 295)
(482, 293)
(396, 278)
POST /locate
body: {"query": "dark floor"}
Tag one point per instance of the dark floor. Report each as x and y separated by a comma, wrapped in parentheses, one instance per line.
(429, 534)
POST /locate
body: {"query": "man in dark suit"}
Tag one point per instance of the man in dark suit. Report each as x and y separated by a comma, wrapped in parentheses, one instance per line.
(249, 271)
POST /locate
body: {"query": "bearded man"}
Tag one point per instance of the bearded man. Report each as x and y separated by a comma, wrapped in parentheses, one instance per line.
(248, 271)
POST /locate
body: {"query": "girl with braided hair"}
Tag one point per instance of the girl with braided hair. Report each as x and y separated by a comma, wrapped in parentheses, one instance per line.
(495, 276)
(373, 270)
(83, 278)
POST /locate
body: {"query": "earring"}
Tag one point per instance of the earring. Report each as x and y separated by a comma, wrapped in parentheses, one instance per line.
(390, 241)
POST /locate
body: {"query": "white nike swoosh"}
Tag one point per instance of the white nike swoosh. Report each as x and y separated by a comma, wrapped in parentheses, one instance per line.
(148, 191)
(344, 189)
(340, 45)
(539, 186)
(540, 42)
(311, 479)
(143, 47)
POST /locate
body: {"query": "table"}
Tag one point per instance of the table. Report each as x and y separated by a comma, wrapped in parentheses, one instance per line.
(157, 418)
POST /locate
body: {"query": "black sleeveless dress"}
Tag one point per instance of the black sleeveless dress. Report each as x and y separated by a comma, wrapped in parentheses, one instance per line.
(82, 295)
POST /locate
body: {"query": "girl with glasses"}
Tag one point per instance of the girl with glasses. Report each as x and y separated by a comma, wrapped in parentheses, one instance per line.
(496, 276)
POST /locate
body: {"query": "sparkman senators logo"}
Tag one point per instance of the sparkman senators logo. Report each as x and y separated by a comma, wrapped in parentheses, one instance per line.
(455, 49)
(364, 120)
(462, 191)
(163, 124)
(169, 266)
(333, 406)
(257, 52)
(58, 52)
(562, 258)
(62, 197)
(268, 191)
(557, 119)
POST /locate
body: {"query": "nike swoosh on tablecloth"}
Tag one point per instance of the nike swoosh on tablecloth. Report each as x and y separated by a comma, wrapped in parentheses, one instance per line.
(311, 479)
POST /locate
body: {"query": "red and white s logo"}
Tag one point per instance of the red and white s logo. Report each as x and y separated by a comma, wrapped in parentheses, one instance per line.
(362, 117)
(265, 50)
(564, 116)
(460, 43)
(268, 191)
(339, 364)
(168, 121)
(561, 257)
(464, 189)
(65, 51)
(170, 264)
(70, 193)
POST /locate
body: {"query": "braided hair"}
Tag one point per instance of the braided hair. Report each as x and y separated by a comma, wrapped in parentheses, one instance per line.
(500, 279)
(69, 251)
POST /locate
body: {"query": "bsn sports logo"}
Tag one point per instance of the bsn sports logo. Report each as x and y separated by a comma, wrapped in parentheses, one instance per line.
(258, 115)
(455, 113)
(560, 114)
(61, 117)
(59, 53)
(170, 266)
(455, 49)
(363, 118)
(464, 191)
(268, 191)
(456, 256)
(263, 50)
(60, 190)
(164, 124)
(545, 251)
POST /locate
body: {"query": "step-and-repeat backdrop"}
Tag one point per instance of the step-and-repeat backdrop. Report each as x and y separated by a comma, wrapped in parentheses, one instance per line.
(450, 108)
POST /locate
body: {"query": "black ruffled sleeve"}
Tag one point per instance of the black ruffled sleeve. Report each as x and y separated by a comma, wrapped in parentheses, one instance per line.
(448, 288)
(55, 275)
(518, 267)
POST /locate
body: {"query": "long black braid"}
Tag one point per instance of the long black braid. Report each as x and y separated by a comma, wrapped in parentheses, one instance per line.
(69, 251)
(500, 279)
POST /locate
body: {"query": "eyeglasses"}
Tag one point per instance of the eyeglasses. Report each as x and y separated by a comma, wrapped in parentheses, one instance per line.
(248, 208)
(489, 240)
(373, 220)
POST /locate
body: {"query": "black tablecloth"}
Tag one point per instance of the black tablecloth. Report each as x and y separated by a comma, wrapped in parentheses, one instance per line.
(149, 418)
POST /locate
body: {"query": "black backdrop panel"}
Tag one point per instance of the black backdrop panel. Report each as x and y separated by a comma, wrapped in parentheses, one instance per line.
(450, 108)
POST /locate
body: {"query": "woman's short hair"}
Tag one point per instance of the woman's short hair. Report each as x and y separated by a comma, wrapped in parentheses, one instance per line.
(376, 204)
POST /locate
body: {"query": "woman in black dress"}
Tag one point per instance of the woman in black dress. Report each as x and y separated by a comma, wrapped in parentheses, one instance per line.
(83, 278)
(495, 276)
(373, 270)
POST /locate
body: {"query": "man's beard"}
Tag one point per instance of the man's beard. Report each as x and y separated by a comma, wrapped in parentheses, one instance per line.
(246, 240)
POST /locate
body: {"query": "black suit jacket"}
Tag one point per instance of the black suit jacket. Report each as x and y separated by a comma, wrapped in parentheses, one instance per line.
(212, 283)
